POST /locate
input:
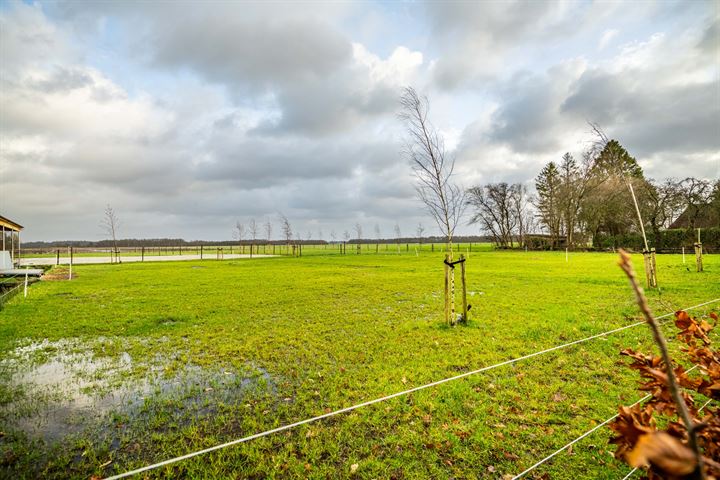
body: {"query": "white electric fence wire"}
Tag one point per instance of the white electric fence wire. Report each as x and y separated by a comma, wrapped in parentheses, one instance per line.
(704, 405)
(630, 474)
(381, 399)
(559, 450)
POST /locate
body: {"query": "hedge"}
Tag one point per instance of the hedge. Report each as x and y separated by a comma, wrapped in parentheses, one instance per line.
(669, 241)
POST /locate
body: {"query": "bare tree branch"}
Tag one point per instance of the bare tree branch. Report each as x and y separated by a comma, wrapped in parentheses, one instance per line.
(425, 148)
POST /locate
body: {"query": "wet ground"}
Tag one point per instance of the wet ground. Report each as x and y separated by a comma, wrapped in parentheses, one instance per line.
(55, 389)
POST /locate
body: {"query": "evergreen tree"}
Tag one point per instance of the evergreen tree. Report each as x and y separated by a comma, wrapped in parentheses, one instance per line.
(548, 185)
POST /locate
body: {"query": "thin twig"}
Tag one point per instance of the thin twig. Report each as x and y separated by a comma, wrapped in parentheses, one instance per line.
(626, 265)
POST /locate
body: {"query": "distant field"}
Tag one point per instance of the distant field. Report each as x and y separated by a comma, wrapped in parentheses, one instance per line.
(135, 363)
(211, 251)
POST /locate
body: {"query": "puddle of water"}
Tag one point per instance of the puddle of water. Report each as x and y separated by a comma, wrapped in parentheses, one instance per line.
(69, 389)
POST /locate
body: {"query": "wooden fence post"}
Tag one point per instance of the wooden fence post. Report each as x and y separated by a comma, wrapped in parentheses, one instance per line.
(142, 254)
(57, 260)
(464, 288)
(201, 252)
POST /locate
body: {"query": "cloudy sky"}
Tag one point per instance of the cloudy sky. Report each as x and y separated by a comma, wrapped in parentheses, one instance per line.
(189, 116)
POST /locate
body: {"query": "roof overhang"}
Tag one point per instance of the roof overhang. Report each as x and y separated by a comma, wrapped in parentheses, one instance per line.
(7, 223)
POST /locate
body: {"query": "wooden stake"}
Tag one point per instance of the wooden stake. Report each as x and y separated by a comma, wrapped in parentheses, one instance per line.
(452, 291)
(464, 289)
(698, 256)
(71, 262)
(683, 250)
(26, 280)
(649, 261)
(447, 291)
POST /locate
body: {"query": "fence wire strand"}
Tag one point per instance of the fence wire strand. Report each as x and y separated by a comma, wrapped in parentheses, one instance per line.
(573, 442)
(388, 397)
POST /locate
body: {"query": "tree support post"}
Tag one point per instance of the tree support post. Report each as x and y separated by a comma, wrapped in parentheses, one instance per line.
(698, 256)
(464, 289)
(446, 265)
(649, 261)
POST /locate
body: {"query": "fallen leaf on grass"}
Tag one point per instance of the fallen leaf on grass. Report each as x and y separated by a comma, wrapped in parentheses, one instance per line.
(663, 451)
(354, 467)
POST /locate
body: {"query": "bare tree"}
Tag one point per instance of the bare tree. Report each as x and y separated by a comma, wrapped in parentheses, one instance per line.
(444, 200)
(520, 207)
(419, 231)
(495, 211)
(253, 229)
(358, 230)
(286, 228)
(111, 225)
(239, 232)
(346, 235)
(333, 236)
(425, 148)
(320, 234)
(377, 231)
(697, 194)
(308, 236)
(268, 230)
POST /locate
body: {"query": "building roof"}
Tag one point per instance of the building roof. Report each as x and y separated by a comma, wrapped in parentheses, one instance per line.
(7, 223)
(704, 217)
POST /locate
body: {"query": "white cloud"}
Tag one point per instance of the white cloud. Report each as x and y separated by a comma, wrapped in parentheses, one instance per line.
(607, 37)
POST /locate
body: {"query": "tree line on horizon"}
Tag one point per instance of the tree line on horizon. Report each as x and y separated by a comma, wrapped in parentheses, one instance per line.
(577, 201)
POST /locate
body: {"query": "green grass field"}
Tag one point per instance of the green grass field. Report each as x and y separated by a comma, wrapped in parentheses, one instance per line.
(132, 364)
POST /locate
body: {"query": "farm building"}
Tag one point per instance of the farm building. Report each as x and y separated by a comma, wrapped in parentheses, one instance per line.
(10, 237)
(698, 216)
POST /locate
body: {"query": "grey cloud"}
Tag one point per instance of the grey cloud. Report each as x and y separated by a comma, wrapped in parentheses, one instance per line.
(710, 41)
(260, 162)
(477, 38)
(334, 105)
(647, 117)
(62, 79)
(251, 56)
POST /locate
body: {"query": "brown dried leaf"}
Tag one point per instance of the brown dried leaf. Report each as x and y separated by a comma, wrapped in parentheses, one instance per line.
(660, 450)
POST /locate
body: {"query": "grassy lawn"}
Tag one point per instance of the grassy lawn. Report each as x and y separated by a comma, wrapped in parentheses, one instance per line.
(136, 363)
